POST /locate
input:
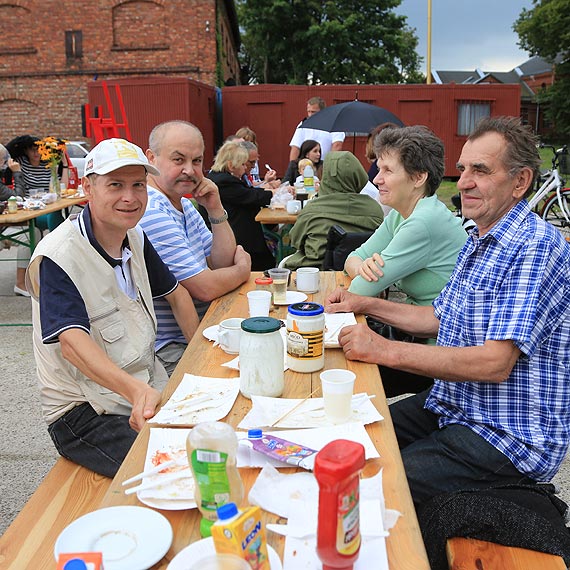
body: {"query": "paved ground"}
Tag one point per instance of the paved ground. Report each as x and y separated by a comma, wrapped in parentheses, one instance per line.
(26, 451)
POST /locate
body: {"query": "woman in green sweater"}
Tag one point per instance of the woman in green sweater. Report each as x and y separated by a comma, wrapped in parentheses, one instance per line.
(417, 245)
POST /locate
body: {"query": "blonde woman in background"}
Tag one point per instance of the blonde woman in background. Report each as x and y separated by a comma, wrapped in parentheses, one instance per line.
(242, 202)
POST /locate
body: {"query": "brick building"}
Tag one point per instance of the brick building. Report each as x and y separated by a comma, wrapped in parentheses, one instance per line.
(50, 50)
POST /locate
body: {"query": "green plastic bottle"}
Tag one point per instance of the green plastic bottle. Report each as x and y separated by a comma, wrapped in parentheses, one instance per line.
(212, 455)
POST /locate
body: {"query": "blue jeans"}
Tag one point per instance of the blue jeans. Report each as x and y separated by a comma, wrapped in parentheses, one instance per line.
(445, 460)
(99, 443)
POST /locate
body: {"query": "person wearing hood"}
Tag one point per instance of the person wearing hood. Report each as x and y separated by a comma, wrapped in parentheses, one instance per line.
(339, 202)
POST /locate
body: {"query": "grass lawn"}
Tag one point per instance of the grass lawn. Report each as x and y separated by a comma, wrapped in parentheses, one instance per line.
(446, 190)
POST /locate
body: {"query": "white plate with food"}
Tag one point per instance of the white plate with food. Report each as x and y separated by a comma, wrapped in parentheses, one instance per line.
(204, 548)
(293, 297)
(177, 491)
(129, 537)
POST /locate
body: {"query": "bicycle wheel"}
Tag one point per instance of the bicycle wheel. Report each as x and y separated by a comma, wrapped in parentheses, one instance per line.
(553, 214)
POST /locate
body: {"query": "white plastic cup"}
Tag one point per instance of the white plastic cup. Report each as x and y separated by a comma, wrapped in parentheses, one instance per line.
(259, 303)
(308, 279)
(280, 276)
(229, 335)
(337, 385)
(293, 206)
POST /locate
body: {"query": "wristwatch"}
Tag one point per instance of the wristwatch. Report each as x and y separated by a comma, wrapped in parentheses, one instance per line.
(219, 220)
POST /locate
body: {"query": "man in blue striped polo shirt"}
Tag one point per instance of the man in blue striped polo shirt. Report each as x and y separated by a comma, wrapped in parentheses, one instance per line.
(208, 263)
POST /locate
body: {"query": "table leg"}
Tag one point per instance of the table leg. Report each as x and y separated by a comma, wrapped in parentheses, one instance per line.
(32, 229)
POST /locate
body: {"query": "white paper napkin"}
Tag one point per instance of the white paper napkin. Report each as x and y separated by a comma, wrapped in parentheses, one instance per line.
(265, 411)
(315, 438)
(333, 325)
(198, 399)
(297, 501)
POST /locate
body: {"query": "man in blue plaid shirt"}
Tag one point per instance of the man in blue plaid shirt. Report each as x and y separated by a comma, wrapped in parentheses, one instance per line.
(499, 409)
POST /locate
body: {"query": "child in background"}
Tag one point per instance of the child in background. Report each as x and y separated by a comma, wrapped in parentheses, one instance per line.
(301, 166)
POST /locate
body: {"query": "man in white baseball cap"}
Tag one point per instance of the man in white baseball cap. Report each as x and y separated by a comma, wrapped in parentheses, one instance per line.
(92, 282)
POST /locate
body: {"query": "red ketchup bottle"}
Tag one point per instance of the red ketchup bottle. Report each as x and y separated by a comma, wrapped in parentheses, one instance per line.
(337, 469)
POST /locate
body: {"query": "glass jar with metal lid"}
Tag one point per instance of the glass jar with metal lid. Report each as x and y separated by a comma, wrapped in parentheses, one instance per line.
(305, 330)
(261, 356)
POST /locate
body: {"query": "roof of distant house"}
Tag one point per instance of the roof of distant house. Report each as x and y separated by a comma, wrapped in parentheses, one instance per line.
(533, 66)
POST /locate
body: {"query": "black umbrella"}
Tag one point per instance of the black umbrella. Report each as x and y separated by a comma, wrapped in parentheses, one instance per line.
(353, 117)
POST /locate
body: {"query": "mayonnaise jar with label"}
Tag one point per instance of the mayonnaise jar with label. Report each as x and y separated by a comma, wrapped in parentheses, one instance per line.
(305, 331)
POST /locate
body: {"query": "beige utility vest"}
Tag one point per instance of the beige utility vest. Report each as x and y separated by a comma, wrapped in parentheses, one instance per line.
(124, 328)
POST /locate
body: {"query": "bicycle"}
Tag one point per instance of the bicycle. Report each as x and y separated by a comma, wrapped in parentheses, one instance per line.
(551, 200)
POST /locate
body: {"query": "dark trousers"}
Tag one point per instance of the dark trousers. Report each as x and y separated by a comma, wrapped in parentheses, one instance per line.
(444, 460)
(99, 443)
(397, 382)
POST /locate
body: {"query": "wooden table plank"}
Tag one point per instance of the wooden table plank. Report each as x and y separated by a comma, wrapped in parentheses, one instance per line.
(405, 547)
(272, 216)
(23, 216)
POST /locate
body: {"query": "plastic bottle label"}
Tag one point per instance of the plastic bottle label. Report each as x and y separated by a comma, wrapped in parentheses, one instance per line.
(212, 477)
(348, 519)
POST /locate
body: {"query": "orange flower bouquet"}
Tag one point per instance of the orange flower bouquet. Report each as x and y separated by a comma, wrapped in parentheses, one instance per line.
(51, 151)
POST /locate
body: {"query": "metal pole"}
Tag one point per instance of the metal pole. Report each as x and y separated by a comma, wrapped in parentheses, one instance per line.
(428, 62)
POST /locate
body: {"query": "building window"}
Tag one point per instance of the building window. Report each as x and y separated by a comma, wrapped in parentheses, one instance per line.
(469, 113)
(73, 44)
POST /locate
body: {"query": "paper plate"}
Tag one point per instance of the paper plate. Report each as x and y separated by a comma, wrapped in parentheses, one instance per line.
(129, 537)
(205, 547)
(166, 444)
(211, 333)
(294, 297)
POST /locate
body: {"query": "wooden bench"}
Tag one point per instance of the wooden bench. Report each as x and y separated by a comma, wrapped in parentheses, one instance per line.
(471, 554)
(67, 492)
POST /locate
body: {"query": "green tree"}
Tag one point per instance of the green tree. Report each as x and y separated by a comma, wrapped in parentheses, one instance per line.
(326, 41)
(544, 30)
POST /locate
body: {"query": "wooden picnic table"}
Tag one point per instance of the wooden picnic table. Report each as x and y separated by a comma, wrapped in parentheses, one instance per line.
(22, 217)
(405, 546)
(272, 216)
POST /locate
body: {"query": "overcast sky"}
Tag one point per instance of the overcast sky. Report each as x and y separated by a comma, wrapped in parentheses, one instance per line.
(467, 34)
